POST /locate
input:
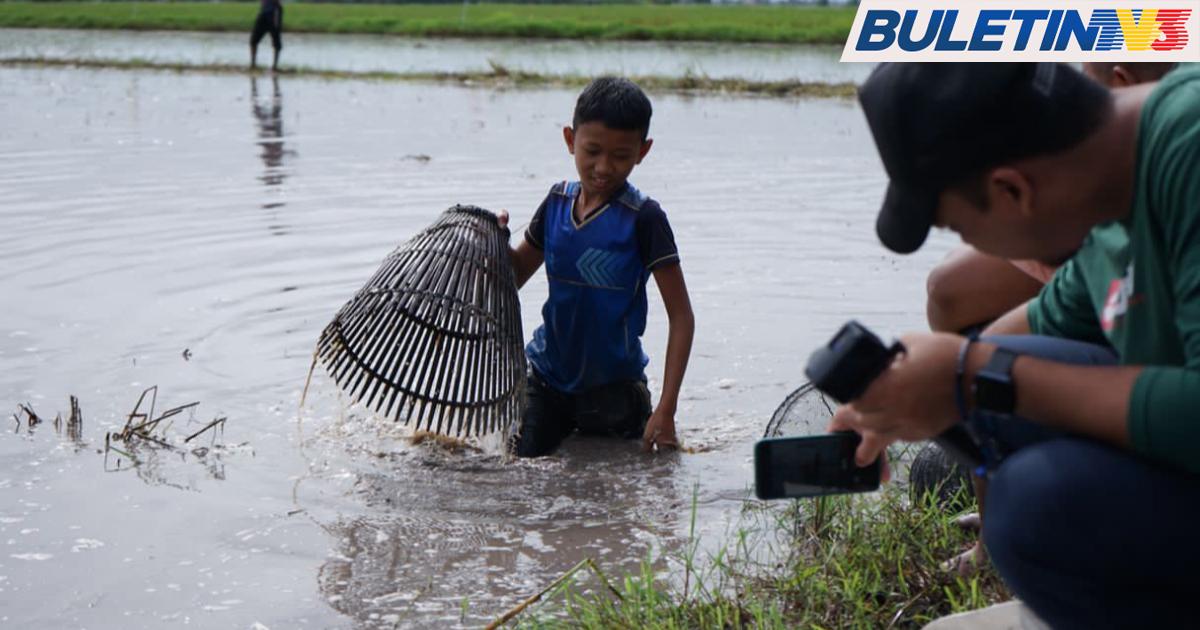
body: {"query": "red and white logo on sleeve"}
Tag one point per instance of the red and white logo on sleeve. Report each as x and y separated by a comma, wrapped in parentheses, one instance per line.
(1120, 296)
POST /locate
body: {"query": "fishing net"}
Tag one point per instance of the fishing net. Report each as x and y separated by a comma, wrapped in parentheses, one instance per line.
(802, 412)
(434, 337)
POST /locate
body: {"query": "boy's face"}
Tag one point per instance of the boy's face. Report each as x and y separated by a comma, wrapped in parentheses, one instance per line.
(604, 157)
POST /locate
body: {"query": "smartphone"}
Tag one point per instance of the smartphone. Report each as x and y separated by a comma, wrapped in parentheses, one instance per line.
(811, 466)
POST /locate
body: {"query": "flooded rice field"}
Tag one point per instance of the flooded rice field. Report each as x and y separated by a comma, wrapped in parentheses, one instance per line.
(404, 55)
(196, 232)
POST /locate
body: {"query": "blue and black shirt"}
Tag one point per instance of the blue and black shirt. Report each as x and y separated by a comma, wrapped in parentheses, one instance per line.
(595, 314)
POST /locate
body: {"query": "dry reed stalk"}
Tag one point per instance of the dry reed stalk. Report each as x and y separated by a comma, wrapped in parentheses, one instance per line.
(75, 421)
(586, 562)
(220, 421)
(31, 418)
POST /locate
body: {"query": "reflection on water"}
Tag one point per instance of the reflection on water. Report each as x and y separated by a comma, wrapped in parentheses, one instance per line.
(132, 214)
(268, 113)
(439, 529)
(175, 468)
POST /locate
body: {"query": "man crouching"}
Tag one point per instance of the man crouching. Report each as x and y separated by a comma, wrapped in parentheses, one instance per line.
(1093, 456)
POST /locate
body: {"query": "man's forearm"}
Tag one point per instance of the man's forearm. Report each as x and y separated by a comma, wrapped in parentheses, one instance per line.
(1092, 401)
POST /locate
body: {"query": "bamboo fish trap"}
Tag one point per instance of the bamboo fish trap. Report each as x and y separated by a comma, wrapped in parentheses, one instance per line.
(435, 335)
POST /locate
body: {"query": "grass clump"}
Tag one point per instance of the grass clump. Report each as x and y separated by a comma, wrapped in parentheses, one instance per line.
(746, 23)
(843, 562)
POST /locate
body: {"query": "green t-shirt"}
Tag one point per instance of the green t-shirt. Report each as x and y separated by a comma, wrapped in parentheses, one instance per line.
(1136, 282)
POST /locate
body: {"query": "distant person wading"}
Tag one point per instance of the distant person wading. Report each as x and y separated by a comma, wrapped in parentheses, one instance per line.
(270, 20)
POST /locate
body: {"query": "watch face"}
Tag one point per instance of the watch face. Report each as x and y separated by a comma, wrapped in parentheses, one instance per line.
(993, 385)
(993, 395)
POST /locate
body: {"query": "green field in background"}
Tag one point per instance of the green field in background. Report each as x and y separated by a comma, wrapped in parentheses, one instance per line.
(787, 24)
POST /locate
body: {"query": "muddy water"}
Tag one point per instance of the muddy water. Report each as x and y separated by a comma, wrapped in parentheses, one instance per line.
(196, 232)
(365, 53)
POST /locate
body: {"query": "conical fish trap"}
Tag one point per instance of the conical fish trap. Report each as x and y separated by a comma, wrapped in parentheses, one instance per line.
(435, 336)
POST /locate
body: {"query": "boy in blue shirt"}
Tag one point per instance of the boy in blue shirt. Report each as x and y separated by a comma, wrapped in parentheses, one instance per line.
(601, 240)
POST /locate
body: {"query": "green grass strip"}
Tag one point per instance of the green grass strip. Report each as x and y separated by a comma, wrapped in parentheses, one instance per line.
(854, 562)
(499, 76)
(783, 24)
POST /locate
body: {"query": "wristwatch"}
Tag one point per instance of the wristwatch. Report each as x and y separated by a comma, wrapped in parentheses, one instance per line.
(994, 390)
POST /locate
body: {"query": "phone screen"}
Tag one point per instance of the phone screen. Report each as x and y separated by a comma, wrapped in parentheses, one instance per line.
(811, 466)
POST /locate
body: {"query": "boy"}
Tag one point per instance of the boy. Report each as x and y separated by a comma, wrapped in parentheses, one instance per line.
(601, 240)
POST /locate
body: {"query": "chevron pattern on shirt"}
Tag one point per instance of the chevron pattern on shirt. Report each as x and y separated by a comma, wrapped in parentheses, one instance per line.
(598, 267)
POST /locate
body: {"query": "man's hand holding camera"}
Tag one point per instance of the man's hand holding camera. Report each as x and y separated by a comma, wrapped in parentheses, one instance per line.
(909, 390)
(914, 399)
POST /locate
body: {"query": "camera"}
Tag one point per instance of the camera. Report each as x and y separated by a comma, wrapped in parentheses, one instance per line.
(824, 464)
(847, 365)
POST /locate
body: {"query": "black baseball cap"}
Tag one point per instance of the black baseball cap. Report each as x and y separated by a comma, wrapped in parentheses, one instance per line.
(937, 124)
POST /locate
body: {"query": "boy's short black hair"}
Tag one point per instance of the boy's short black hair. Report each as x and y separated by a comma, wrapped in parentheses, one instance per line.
(617, 102)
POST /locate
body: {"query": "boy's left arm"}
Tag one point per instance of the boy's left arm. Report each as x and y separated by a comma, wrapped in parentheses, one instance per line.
(660, 429)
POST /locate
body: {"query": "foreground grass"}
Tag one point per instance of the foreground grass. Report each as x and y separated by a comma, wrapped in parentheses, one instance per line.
(499, 76)
(861, 562)
(828, 25)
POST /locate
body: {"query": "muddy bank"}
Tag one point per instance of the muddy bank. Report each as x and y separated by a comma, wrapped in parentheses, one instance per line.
(498, 77)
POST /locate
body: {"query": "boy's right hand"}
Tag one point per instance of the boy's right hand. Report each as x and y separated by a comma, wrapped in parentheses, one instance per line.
(660, 432)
